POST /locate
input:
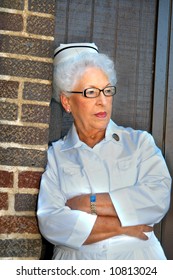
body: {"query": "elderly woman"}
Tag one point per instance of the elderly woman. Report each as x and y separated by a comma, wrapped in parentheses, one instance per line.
(104, 186)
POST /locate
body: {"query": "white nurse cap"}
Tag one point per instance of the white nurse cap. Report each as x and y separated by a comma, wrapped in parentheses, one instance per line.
(67, 51)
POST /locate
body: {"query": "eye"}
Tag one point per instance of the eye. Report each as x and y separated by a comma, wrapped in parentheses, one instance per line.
(91, 91)
(108, 91)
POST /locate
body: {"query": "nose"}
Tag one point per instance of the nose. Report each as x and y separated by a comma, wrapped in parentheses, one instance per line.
(101, 99)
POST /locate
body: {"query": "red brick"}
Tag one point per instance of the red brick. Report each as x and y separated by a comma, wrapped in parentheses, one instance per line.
(11, 22)
(26, 46)
(3, 201)
(23, 134)
(42, 6)
(40, 92)
(35, 113)
(8, 111)
(26, 68)
(13, 4)
(22, 157)
(6, 179)
(29, 179)
(9, 89)
(40, 25)
(18, 224)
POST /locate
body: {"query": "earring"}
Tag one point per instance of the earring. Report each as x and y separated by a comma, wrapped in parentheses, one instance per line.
(68, 110)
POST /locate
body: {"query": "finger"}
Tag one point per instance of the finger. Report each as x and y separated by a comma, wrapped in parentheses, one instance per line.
(148, 228)
(143, 236)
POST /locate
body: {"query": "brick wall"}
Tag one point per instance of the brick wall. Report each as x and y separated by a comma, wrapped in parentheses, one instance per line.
(26, 48)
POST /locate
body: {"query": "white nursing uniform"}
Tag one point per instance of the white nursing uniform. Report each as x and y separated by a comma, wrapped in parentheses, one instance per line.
(126, 164)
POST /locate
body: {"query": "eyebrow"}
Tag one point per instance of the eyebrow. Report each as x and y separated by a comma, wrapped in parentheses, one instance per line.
(109, 84)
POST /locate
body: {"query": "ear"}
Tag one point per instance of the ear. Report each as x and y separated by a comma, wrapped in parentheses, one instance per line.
(65, 102)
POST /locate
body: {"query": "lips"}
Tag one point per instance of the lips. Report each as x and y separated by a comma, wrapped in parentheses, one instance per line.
(101, 115)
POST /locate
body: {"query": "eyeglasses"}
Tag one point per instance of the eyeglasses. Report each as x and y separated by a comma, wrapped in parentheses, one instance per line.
(94, 92)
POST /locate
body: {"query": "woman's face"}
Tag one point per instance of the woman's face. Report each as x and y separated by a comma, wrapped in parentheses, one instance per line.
(91, 115)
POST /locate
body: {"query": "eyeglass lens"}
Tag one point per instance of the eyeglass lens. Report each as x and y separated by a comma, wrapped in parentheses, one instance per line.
(94, 92)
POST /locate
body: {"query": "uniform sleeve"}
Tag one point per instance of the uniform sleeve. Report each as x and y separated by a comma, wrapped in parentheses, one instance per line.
(57, 222)
(148, 200)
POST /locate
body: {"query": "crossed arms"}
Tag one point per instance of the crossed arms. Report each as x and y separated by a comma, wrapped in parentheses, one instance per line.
(107, 223)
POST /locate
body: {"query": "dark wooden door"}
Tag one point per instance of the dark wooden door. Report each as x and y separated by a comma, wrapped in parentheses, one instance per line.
(130, 32)
(162, 121)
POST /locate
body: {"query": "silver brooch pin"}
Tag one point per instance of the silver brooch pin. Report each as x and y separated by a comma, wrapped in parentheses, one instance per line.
(116, 137)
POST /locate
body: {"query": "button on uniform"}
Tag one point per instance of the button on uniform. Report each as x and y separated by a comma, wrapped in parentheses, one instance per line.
(116, 137)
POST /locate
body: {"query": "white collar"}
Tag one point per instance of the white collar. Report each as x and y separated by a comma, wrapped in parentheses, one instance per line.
(71, 140)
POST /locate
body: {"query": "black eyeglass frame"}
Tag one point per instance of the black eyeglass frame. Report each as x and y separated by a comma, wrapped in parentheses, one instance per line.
(100, 90)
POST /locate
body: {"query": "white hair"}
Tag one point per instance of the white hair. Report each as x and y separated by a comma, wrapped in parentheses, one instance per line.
(67, 73)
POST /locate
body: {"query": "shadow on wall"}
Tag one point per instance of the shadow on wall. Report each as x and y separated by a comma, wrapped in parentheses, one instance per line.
(47, 250)
(60, 121)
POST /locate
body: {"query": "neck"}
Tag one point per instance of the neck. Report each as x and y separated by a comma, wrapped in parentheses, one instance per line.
(91, 138)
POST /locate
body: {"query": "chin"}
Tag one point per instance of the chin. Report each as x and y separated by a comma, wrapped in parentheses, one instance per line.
(102, 125)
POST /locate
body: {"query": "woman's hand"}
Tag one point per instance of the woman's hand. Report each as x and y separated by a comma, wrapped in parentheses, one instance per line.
(137, 231)
(108, 226)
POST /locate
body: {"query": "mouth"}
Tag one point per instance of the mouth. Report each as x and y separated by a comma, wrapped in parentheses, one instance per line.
(101, 115)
